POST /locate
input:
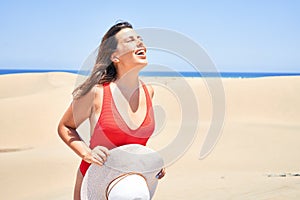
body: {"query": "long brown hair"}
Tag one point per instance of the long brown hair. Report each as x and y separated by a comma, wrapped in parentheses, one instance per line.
(104, 69)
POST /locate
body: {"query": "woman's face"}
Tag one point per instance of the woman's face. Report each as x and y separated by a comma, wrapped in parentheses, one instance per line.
(131, 51)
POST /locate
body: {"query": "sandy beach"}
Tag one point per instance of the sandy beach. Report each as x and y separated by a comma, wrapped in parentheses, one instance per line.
(256, 157)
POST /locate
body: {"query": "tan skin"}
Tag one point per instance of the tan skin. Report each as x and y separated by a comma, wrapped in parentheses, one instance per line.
(129, 99)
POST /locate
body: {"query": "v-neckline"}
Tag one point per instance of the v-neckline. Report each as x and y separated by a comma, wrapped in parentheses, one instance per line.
(131, 112)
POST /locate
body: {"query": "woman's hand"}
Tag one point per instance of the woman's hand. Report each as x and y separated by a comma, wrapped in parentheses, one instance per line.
(98, 155)
(161, 174)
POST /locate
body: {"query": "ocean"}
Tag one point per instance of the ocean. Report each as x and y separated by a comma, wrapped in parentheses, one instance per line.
(164, 74)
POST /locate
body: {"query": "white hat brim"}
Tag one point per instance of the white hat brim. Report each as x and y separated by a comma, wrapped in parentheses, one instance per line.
(124, 159)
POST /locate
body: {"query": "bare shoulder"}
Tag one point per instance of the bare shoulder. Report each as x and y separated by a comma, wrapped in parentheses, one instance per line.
(90, 100)
(97, 91)
(150, 90)
(91, 94)
(84, 106)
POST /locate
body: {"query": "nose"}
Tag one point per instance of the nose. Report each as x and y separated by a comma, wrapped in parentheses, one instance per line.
(140, 43)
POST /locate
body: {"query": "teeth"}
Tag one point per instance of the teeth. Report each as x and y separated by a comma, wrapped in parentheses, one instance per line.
(140, 52)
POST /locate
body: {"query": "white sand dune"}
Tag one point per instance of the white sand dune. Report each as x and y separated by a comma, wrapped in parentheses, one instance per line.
(256, 156)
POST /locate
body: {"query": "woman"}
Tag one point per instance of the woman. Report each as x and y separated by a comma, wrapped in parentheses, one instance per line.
(117, 104)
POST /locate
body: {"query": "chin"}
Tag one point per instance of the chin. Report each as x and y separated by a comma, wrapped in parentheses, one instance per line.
(141, 64)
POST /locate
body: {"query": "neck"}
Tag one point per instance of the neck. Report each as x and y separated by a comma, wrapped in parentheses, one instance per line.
(128, 81)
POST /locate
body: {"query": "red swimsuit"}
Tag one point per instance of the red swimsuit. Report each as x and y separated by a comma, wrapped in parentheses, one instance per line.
(112, 131)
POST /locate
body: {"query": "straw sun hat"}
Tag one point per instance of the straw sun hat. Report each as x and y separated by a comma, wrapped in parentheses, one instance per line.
(129, 173)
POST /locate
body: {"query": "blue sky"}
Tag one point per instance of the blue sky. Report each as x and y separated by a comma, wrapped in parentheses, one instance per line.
(238, 35)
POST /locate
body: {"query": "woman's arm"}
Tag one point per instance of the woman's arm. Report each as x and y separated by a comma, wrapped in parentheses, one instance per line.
(67, 131)
(80, 110)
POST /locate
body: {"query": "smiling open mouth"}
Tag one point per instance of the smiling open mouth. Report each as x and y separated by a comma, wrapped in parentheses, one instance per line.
(140, 52)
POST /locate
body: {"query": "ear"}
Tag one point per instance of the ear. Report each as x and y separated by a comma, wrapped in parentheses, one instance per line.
(114, 58)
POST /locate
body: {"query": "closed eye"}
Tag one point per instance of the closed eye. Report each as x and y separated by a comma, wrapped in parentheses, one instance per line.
(140, 38)
(131, 39)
